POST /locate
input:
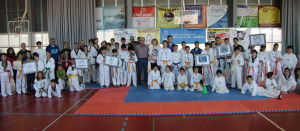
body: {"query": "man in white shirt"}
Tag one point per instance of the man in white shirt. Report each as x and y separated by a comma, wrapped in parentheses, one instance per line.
(40, 51)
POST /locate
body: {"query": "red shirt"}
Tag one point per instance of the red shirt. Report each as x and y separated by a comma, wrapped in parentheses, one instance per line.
(11, 60)
(66, 62)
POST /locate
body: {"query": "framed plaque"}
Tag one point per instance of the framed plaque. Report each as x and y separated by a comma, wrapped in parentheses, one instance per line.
(29, 67)
(111, 60)
(224, 50)
(257, 40)
(17, 64)
(82, 63)
(202, 60)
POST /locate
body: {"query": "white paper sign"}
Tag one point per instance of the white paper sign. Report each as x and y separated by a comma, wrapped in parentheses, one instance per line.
(111, 61)
(29, 67)
(82, 63)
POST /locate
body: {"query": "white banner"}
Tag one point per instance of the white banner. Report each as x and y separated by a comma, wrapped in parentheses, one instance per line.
(99, 18)
(126, 33)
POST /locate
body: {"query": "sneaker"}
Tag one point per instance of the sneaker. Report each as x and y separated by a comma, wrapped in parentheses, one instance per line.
(280, 97)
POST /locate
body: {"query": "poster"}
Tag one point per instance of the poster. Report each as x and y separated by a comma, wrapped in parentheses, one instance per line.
(126, 33)
(269, 16)
(242, 35)
(247, 16)
(181, 34)
(143, 17)
(201, 16)
(149, 34)
(99, 18)
(217, 16)
(213, 33)
(114, 17)
(165, 17)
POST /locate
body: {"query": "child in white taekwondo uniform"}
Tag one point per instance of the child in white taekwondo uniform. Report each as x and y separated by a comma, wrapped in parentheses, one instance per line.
(168, 79)
(289, 59)
(214, 52)
(182, 81)
(237, 62)
(39, 63)
(208, 69)
(40, 85)
(164, 57)
(187, 63)
(86, 73)
(219, 84)
(264, 61)
(76, 52)
(275, 64)
(253, 63)
(6, 73)
(271, 82)
(73, 75)
(49, 67)
(154, 79)
(93, 68)
(196, 81)
(176, 60)
(254, 89)
(116, 70)
(103, 69)
(182, 50)
(123, 70)
(21, 78)
(40, 51)
(286, 82)
(54, 90)
(131, 59)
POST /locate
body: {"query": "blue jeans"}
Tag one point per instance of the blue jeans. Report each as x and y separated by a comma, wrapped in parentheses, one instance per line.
(142, 65)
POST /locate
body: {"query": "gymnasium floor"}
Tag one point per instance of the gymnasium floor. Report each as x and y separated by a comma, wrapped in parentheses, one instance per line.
(25, 112)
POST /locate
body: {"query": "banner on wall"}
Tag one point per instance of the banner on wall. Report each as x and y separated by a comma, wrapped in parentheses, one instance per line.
(165, 17)
(99, 18)
(217, 16)
(149, 34)
(181, 34)
(114, 17)
(247, 16)
(143, 17)
(201, 16)
(269, 16)
(213, 33)
(126, 33)
(242, 35)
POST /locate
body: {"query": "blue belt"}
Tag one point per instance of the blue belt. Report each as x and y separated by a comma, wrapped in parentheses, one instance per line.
(176, 64)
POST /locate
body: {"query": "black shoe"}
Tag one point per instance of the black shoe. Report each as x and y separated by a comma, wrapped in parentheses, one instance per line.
(280, 97)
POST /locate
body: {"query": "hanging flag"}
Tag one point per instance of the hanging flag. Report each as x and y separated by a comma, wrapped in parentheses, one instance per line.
(201, 16)
(143, 17)
(114, 18)
(247, 16)
(269, 16)
(149, 34)
(165, 17)
(217, 16)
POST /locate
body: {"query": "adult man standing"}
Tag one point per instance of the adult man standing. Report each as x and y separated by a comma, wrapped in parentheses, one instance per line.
(23, 50)
(82, 44)
(132, 42)
(54, 49)
(141, 51)
(170, 43)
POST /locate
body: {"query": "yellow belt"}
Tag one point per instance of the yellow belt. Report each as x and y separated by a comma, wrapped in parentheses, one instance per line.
(197, 85)
(179, 85)
(153, 81)
(165, 62)
(72, 76)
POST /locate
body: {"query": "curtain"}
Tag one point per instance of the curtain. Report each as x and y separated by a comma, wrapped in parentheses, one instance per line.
(291, 25)
(71, 21)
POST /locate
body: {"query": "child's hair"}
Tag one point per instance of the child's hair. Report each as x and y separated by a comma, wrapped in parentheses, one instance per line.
(38, 42)
(249, 76)
(270, 74)
(108, 44)
(187, 47)
(102, 48)
(196, 42)
(3, 54)
(53, 80)
(219, 71)
(28, 51)
(59, 65)
(37, 75)
(165, 41)
(168, 67)
(117, 43)
(123, 38)
(226, 39)
(290, 47)
(112, 39)
(48, 51)
(175, 45)
(35, 54)
(181, 69)
(276, 44)
(262, 46)
(296, 75)
(183, 42)
(21, 54)
(236, 48)
(130, 48)
(114, 50)
(207, 44)
(254, 51)
(123, 46)
(287, 69)
(195, 68)
(155, 66)
(235, 39)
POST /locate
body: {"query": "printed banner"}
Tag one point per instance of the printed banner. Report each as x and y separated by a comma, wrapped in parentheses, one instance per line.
(213, 33)
(247, 16)
(114, 18)
(165, 17)
(217, 16)
(201, 16)
(149, 34)
(242, 35)
(143, 17)
(126, 33)
(181, 34)
(269, 16)
(99, 18)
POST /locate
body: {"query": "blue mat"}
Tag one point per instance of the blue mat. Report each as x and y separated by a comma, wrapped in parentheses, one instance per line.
(92, 85)
(141, 94)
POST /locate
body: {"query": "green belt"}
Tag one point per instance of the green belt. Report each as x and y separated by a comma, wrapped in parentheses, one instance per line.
(46, 71)
(123, 63)
(44, 89)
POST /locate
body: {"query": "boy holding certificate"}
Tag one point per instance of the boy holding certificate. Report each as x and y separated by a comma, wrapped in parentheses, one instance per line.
(21, 78)
(29, 77)
(73, 75)
(6, 75)
(131, 59)
(49, 67)
(39, 63)
(116, 70)
(103, 68)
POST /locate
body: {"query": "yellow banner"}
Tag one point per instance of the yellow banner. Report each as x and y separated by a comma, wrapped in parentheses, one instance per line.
(165, 17)
(149, 34)
(269, 16)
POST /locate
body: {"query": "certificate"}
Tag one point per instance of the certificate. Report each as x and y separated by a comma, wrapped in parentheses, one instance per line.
(201, 60)
(82, 63)
(257, 40)
(29, 67)
(224, 50)
(17, 64)
(111, 60)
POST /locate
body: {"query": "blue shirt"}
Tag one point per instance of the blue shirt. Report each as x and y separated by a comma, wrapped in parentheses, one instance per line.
(196, 51)
(26, 59)
(171, 47)
(54, 51)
